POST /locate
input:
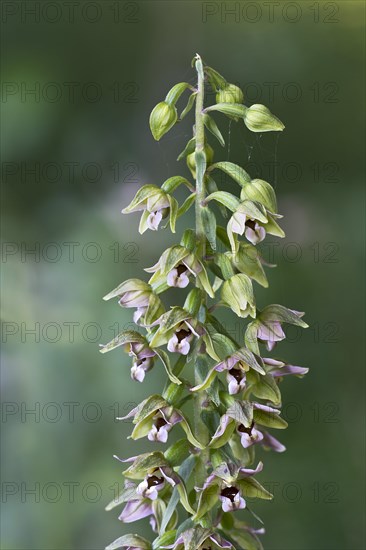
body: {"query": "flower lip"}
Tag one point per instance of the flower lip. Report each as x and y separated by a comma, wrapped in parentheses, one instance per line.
(237, 374)
(243, 429)
(230, 493)
(152, 481)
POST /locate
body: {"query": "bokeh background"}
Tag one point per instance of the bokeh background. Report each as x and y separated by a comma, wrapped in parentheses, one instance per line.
(79, 82)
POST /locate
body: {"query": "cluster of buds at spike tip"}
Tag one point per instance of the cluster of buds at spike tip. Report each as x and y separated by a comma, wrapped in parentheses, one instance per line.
(222, 396)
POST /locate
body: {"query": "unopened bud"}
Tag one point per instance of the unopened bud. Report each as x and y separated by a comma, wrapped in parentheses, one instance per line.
(230, 94)
(191, 162)
(259, 118)
(162, 118)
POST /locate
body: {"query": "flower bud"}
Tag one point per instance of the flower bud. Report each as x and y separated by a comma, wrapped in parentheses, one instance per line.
(162, 118)
(237, 293)
(259, 118)
(260, 191)
(191, 162)
(230, 94)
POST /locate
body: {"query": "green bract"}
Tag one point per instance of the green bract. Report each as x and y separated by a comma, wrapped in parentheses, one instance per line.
(222, 391)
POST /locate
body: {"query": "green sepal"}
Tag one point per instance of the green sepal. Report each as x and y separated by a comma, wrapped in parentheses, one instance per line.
(241, 412)
(173, 203)
(148, 407)
(155, 307)
(224, 438)
(216, 80)
(276, 312)
(251, 488)
(237, 292)
(251, 340)
(127, 494)
(260, 191)
(269, 419)
(127, 286)
(247, 260)
(141, 196)
(246, 539)
(273, 228)
(124, 337)
(145, 463)
(266, 388)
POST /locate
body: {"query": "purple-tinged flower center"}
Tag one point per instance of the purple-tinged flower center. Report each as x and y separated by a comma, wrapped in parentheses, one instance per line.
(244, 430)
(160, 422)
(181, 268)
(230, 493)
(251, 224)
(181, 334)
(154, 480)
(237, 374)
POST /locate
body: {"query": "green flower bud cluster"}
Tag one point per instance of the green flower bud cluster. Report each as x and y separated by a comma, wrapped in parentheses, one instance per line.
(222, 396)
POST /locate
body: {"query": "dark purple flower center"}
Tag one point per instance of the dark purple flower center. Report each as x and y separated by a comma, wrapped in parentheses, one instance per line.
(181, 268)
(251, 224)
(154, 480)
(230, 493)
(181, 334)
(160, 422)
(244, 430)
(237, 374)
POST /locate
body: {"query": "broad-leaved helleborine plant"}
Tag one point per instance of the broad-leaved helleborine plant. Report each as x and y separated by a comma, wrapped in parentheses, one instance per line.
(221, 399)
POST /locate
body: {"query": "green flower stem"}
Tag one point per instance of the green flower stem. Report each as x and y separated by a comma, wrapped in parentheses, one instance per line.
(201, 429)
(200, 145)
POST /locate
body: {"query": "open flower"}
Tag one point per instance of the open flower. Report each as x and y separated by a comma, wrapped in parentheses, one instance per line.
(155, 205)
(154, 479)
(229, 485)
(247, 420)
(175, 267)
(236, 366)
(177, 329)
(249, 219)
(180, 341)
(270, 320)
(162, 423)
(143, 360)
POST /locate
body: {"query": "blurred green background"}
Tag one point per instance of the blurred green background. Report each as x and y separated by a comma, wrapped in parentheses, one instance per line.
(79, 82)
